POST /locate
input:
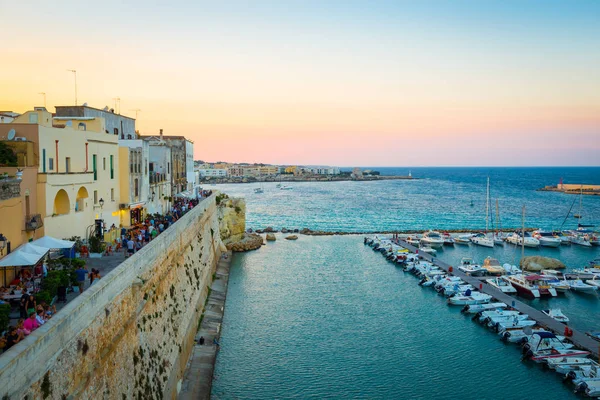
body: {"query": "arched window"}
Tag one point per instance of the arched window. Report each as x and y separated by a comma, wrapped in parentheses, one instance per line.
(116, 131)
(81, 126)
(61, 203)
(82, 194)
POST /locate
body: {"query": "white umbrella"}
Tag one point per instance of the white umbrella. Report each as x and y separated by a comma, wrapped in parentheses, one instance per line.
(53, 243)
(25, 255)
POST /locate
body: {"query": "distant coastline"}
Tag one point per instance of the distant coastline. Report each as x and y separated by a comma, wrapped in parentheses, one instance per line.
(318, 178)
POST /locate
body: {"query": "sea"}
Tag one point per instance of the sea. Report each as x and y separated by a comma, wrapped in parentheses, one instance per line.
(326, 317)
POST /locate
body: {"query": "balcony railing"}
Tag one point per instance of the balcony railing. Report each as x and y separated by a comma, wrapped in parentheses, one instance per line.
(33, 222)
(155, 177)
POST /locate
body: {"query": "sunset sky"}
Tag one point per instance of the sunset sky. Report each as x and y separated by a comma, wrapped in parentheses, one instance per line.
(379, 83)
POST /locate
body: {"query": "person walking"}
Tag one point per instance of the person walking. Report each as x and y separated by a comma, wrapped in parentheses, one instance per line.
(130, 247)
(80, 272)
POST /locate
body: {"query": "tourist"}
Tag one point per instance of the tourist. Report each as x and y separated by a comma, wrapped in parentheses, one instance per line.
(154, 234)
(30, 304)
(130, 247)
(31, 323)
(201, 341)
(81, 272)
(21, 328)
(138, 245)
(23, 305)
(92, 276)
(39, 317)
(13, 337)
(96, 274)
(161, 227)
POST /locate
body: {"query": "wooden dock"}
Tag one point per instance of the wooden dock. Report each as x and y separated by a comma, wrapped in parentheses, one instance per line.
(580, 339)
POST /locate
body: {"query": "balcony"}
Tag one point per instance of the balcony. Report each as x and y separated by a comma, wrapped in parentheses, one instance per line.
(155, 177)
(33, 222)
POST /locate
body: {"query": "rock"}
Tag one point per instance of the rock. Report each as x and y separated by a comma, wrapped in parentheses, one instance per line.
(538, 263)
(271, 237)
(305, 231)
(284, 230)
(259, 231)
(249, 230)
(291, 237)
(296, 230)
(249, 242)
(268, 229)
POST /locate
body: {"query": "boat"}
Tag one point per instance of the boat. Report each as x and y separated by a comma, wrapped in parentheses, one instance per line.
(468, 266)
(412, 240)
(518, 335)
(491, 314)
(564, 365)
(511, 269)
(577, 285)
(516, 239)
(580, 240)
(547, 239)
(594, 282)
(493, 267)
(594, 335)
(284, 187)
(476, 308)
(428, 250)
(432, 239)
(531, 285)
(556, 313)
(564, 238)
(503, 326)
(545, 345)
(259, 190)
(481, 239)
(498, 236)
(463, 239)
(591, 388)
(473, 298)
(559, 285)
(501, 285)
(448, 239)
(587, 273)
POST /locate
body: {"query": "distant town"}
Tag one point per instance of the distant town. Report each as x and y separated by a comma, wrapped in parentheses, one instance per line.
(225, 172)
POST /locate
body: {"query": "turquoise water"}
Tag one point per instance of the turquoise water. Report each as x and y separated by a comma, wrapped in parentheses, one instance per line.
(326, 317)
(440, 200)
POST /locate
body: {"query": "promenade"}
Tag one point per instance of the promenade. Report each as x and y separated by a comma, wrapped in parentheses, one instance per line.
(579, 339)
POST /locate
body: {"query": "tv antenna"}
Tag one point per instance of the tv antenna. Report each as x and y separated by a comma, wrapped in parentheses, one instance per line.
(43, 94)
(137, 110)
(75, 76)
(117, 102)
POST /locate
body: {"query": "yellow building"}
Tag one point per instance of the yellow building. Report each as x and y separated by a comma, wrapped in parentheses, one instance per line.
(268, 170)
(77, 170)
(291, 170)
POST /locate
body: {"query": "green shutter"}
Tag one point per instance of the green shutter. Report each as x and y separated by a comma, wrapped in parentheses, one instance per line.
(112, 171)
(94, 166)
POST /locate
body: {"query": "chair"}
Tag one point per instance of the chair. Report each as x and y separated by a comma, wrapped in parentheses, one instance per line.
(84, 252)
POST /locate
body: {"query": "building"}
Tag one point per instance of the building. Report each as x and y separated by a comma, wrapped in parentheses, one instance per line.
(159, 170)
(291, 170)
(235, 171)
(134, 158)
(189, 166)
(76, 164)
(268, 170)
(213, 173)
(119, 125)
(7, 117)
(180, 163)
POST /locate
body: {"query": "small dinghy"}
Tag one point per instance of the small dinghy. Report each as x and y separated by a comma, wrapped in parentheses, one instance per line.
(475, 308)
(577, 285)
(469, 298)
(428, 250)
(565, 364)
(556, 313)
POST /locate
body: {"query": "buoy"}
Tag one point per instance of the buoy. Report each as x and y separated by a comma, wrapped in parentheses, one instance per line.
(480, 286)
(450, 269)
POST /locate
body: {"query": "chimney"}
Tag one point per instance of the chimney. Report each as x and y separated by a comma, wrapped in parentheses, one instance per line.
(161, 136)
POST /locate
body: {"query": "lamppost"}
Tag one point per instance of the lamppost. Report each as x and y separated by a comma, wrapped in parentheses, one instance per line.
(101, 202)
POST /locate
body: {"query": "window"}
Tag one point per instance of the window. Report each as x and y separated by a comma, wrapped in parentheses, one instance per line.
(81, 126)
(33, 118)
(44, 161)
(112, 170)
(140, 168)
(67, 164)
(104, 163)
(51, 164)
(135, 187)
(112, 194)
(95, 197)
(168, 168)
(94, 166)
(116, 130)
(131, 168)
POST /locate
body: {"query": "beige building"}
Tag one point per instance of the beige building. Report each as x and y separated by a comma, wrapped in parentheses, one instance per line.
(77, 170)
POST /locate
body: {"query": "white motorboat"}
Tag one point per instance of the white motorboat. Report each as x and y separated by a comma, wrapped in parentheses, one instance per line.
(577, 285)
(565, 237)
(428, 250)
(594, 282)
(258, 190)
(432, 239)
(476, 308)
(481, 239)
(284, 187)
(468, 266)
(564, 365)
(590, 387)
(489, 314)
(556, 313)
(501, 285)
(561, 286)
(474, 298)
(545, 345)
(514, 323)
(516, 239)
(493, 267)
(587, 273)
(448, 239)
(520, 320)
(412, 240)
(580, 240)
(463, 239)
(498, 239)
(511, 269)
(547, 239)
(531, 285)
(518, 335)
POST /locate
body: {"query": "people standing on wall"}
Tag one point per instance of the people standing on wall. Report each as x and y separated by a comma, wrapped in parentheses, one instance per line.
(130, 247)
(30, 304)
(80, 272)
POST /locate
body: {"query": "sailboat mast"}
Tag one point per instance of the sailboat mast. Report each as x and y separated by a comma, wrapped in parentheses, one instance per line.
(523, 235)
(580, 203)
(487, 206)
(497, 218)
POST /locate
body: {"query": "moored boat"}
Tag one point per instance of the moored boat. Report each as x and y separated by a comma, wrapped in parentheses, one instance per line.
(432, 239)
(468, 266)
(547, 239)
(531, 285)
(473, 298)
(475, 308)
(493, 267)
(480, 239)
(502, 285)
(557, 314)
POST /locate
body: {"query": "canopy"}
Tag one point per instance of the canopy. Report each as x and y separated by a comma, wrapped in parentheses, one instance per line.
(53, 243)
(545, 335)
(26, 255)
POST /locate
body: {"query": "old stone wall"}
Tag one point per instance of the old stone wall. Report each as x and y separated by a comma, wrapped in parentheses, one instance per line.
(130, 334)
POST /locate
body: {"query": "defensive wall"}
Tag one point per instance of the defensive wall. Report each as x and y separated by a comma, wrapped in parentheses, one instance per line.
(130, 334)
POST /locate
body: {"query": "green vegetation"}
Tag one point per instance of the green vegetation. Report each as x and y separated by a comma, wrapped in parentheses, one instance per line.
(4, 316)
(96, 245)
(8, 158)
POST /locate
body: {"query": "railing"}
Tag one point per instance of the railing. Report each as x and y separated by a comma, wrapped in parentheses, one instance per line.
(33, 222)
(155, 177)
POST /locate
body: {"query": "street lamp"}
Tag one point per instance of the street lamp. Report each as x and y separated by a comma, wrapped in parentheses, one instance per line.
(101, 202)
(152, 198)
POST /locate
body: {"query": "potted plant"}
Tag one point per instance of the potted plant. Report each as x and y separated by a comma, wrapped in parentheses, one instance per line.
(78, 245)
(96, 247)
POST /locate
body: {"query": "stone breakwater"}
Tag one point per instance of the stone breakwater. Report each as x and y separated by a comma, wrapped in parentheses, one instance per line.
(310, 232)
(318, 178)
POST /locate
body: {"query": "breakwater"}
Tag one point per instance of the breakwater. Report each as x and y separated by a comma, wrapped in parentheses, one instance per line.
(317, 178)
(129, 335)
(310, 232)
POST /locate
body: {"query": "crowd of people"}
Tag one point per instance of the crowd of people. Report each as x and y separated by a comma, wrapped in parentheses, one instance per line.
(37, 315)
(134, 239)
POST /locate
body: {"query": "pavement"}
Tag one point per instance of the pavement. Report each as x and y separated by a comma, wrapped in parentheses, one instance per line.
(198, 377)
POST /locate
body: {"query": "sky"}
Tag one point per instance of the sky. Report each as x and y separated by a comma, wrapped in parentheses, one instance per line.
(346, 83)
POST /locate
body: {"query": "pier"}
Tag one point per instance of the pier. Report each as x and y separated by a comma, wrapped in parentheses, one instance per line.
(580, 339)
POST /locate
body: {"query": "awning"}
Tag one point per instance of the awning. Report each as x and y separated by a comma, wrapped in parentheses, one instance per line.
(133, 206)
(25, 255)
(53, 243)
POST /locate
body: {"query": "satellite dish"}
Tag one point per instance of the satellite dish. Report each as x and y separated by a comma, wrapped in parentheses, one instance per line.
(69, 123)
(11, 134)
(85, 104)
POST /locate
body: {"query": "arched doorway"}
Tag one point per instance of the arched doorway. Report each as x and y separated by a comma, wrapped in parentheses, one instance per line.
(61, 203)
(82, 194)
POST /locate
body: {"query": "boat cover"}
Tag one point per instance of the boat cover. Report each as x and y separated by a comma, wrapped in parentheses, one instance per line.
(545, 335)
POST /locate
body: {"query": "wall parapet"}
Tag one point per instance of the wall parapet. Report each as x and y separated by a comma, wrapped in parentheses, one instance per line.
(50, 347)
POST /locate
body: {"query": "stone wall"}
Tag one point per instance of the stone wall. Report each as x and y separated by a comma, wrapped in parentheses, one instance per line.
(130, 334)
(10, 188)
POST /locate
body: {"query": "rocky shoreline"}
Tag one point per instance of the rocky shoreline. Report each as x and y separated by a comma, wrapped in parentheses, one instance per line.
(286, 179)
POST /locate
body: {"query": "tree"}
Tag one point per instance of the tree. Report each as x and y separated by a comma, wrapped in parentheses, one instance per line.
(8, 157)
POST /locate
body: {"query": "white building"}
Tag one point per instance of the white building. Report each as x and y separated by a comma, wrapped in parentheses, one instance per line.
(134, 157)
(213, 173)
(159, 170)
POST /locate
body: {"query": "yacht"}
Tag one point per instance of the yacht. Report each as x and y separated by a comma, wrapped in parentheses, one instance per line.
(448, 239)
(481, 239)
(577, 285)
(580, 240)
(432, 239)
(556, 313)
(564, 237)
(516, 239)
(284, 187)
(473, 298)
(468, 266)
(501, 285)
(493, 267)
(547, 239)
(531, 285)
(498, 239)
(463, 239)
(412, 240)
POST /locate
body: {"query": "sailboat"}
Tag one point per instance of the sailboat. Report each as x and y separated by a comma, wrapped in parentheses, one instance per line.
(583, 236)
(259, 189)
(498, 238)
(480, 239)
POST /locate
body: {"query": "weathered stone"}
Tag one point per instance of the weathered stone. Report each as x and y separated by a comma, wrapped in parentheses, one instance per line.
(538, 263)
(292, 237)
(305, 231)
(284, 230)
(249, 242)
(269, 229)
(271, 237)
